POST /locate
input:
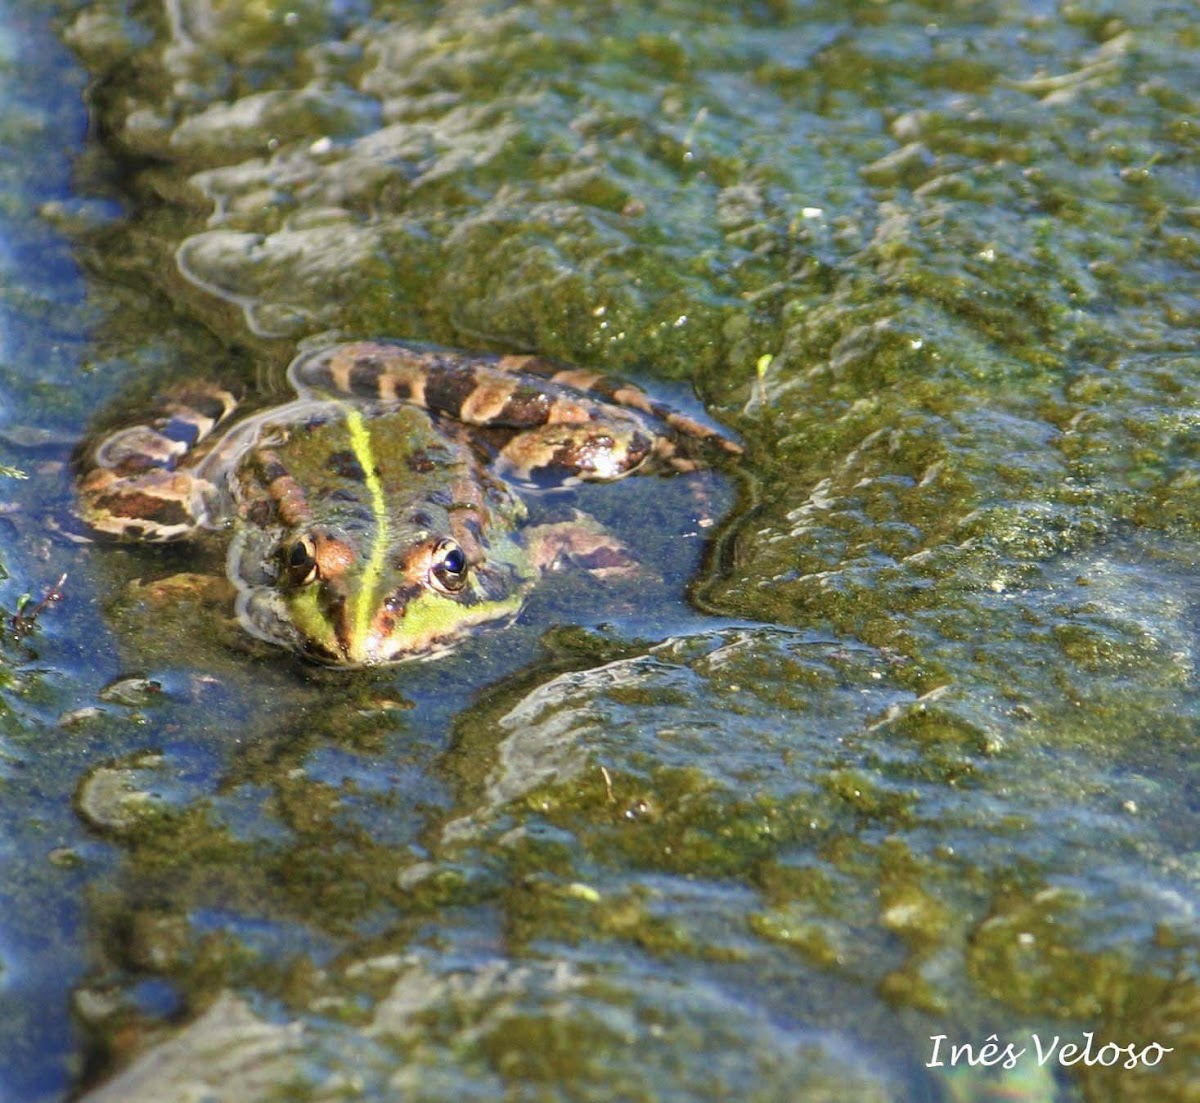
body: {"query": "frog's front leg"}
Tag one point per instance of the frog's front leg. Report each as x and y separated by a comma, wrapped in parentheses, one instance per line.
(139, 483)
(581, 543)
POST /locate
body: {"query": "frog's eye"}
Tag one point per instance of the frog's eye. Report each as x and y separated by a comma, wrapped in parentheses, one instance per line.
(449, 567)
(301, 562)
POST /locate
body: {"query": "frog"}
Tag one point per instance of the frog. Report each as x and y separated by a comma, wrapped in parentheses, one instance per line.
(380, 514)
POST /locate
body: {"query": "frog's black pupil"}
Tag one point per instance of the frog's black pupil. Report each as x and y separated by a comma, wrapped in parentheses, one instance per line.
(454, 561)
(299, 556)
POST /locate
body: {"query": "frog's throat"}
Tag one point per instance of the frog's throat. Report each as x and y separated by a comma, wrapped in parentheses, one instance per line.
(364, 601)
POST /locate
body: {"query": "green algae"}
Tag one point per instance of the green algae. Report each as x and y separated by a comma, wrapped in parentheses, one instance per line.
(933, 263)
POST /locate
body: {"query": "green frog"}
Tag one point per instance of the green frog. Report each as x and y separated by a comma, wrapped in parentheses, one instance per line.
(378, 516)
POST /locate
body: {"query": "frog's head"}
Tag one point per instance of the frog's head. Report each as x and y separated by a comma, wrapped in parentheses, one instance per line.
(385, 543)
(361, 606)
(338, 600)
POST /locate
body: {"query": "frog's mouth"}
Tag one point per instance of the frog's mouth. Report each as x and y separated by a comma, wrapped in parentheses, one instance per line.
(428, 628)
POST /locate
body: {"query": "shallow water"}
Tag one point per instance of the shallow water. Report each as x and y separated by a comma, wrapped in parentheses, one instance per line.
(906, 751)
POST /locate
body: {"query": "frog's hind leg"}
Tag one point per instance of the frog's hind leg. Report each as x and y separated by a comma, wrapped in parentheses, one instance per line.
(138, 483)
(564, 423)
(619, 392)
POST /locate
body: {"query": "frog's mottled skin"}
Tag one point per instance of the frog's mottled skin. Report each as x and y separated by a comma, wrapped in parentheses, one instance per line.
(374, 518)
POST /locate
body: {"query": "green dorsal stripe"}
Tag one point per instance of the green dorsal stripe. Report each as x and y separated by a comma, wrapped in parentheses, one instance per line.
(360, 442)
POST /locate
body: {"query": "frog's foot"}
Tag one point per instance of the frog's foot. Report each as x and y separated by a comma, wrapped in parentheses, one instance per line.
(136, 483)
(582, 543)
(561, 455)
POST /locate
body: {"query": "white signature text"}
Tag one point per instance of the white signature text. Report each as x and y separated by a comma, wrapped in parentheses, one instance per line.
(992, 1052)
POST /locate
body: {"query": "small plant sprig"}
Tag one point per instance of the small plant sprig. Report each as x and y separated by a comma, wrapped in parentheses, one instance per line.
(25, 619)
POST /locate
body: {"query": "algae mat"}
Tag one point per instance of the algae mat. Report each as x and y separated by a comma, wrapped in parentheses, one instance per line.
(890, 794)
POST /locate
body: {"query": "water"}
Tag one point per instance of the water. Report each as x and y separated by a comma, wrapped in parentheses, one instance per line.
(923, 766)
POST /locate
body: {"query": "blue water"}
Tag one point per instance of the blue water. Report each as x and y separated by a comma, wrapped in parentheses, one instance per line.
(41, 953)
